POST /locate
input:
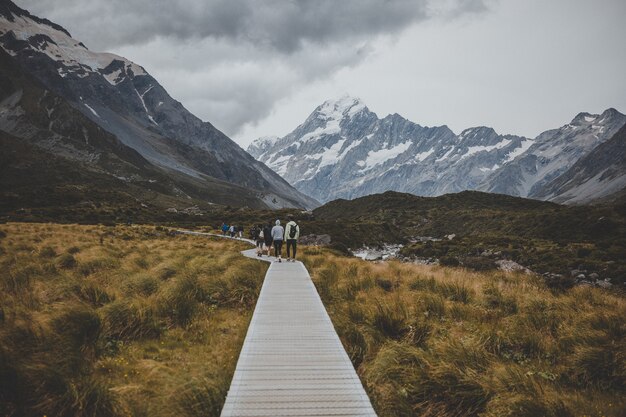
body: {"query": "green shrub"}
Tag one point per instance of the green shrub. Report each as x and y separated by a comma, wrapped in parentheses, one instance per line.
(479, 263)
(449, 261)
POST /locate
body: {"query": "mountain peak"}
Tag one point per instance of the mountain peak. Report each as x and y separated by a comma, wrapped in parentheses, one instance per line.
(340, 107)
(606, 116)
(479, 131)
(10, 11)
(584, 117)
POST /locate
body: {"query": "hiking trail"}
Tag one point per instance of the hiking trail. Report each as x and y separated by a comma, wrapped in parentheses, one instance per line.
(292, 362)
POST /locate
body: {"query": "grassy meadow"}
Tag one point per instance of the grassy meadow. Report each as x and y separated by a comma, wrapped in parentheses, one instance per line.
(134, 321)
(436, 341)
(119, 321)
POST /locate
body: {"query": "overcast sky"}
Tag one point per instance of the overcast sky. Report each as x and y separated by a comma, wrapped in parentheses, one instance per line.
(260, 67)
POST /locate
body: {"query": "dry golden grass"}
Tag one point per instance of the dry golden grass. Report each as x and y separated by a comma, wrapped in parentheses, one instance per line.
(108, 321)
(435, 341)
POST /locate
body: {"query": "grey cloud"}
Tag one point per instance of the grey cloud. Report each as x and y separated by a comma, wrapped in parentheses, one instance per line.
(283, 25)
(230, 61)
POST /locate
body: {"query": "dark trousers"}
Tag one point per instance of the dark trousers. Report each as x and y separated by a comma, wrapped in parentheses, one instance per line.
(291, 243)
(278, 247)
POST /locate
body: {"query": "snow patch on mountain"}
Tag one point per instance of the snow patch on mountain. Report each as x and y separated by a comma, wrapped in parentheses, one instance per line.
(381, 156)
(524, 146)
(423, 155)
(60, 47)
(472, 150)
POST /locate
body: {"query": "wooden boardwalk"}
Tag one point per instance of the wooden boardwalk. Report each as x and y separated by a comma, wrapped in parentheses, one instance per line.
(292, 362)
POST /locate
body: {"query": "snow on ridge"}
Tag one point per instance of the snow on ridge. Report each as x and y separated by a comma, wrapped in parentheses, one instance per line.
(476, 149)
(381, 156)
(423, 155)
(65, 49)
(336, 109)
(524, 146)
(487, 169)
(92, 110)
(144, 103)
(279, 164)
(446, 155)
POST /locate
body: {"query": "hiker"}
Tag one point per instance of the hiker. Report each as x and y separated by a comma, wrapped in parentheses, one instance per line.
(225, 228)
(292, 233)
(277, 236)
(259, 238)
(232, 231)
(240, 231)
(267, 238)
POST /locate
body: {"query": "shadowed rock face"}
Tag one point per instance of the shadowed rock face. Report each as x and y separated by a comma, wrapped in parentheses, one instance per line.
(596, 175)
(553, 153)
(343, 150)
(124, 100)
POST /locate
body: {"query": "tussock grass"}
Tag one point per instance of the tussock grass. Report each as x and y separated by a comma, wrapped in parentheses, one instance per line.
(117, 321)
(438, 341)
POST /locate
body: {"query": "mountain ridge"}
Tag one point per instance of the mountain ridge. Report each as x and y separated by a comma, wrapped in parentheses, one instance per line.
(347, 153)
(124, 100)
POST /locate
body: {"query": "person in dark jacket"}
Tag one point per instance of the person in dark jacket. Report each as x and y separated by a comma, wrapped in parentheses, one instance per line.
(267, 238)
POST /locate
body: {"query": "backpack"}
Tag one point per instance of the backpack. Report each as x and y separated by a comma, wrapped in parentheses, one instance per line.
(293, 230)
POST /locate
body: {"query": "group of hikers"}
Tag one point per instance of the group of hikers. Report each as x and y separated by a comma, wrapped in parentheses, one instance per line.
(267, 237)
(232, 230)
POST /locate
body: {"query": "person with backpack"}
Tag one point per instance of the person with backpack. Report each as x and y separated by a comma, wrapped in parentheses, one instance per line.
(225, 228)
(267, 238)
(292, 233)
(278, 233)
(258, 237)
(240, 232)
(232, 230)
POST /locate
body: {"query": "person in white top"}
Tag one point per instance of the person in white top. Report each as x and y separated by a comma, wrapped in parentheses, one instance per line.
(278, 233)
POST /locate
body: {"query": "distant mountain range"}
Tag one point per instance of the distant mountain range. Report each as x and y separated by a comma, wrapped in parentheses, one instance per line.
(105, 114)
(343, 150)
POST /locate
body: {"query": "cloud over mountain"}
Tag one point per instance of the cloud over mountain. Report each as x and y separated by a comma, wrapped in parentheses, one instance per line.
(231, 60)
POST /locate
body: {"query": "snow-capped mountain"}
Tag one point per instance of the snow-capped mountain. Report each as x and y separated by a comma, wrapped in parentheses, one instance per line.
(553, 153)
(343, 150)
(124, 100)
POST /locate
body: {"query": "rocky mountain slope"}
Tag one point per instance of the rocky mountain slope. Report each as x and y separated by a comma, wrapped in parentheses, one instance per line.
(343, 150)
(597, 175)
(553, 153)
(122, 99)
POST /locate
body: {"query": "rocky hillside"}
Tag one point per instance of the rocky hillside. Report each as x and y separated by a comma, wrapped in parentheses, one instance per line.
(344, 150)
(552, 154)
(599, 174)
(122, 99)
